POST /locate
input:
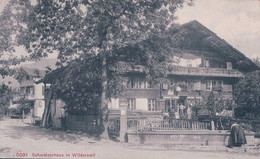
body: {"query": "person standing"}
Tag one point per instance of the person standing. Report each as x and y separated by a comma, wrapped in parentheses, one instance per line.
(237, 136)
(189, 112)
(182, 107)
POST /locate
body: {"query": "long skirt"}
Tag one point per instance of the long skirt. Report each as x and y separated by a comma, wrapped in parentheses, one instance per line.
(237, 136)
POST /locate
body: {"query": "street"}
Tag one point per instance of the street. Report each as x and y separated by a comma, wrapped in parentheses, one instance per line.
(23, 140)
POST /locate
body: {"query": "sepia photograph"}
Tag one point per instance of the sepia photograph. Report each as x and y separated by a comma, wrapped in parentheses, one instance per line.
(130, 79)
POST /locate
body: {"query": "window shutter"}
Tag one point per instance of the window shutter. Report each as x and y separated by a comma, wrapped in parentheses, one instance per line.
(197, 85)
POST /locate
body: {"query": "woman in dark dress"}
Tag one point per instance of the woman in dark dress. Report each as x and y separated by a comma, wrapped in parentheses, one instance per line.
(237, 136)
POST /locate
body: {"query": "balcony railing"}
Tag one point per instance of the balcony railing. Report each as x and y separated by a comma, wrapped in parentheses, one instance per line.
(128, 67)
(199, 71)
(180, 70)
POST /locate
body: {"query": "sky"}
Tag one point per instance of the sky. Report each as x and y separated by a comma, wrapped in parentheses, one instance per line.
(236, 21)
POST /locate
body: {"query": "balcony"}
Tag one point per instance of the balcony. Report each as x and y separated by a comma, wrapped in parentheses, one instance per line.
(199, 71)
(123, 67)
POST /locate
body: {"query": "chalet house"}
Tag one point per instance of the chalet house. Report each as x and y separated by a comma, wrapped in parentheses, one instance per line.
(31, 92)
(206, 63)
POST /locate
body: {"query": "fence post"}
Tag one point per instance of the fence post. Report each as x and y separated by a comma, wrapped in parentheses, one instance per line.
(123, 118)
(212, 125)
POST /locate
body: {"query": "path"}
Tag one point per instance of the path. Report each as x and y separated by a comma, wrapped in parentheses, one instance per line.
(17, 138)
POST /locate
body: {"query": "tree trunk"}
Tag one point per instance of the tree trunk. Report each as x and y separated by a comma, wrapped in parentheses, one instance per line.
(47, 108)
(103, 100)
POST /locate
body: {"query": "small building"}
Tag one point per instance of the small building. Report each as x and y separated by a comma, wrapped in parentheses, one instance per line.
(31, 93)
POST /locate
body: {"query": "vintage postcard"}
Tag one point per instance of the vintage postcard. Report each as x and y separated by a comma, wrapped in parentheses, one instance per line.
(130, 79)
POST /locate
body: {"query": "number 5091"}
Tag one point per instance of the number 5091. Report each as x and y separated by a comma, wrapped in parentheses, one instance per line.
(21, 155)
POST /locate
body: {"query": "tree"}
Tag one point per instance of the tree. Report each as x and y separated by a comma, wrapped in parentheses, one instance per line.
(5, 97)
(84, 28)
(257, 61)
(12, 22)
(247, 96)
(215, 103)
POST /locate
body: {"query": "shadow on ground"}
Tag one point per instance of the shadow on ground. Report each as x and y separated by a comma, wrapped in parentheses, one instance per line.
(4, 150)
(37, 133)
(1, 117)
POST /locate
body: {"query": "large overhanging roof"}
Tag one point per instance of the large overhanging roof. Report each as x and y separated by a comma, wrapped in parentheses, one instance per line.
(21, 72)
(59, 73)
(198, 37)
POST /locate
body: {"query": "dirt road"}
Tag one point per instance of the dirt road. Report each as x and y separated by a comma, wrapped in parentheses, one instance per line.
(19, 140)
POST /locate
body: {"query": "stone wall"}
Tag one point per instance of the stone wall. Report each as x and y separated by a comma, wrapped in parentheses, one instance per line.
(198, 138)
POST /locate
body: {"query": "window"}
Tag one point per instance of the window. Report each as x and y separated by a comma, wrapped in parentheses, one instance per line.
(131, 104)
(217, 85)
(229, 65)
(208, 85)
(152, 104)
(137, 82)
(183, 84)
(214, 85)
(206, 63)
(27, 77)
(30, 90)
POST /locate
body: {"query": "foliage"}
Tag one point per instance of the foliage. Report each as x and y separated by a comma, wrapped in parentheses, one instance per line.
(5, 97)
(80, 89)
(12, 24)
(24, 103)
(79, 27)
(247, 96)
(215, 103)
(82, 29)
(7, 94)
(257, 61)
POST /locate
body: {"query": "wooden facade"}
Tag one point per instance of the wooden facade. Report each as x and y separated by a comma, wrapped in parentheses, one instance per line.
(207, 64)
(31, 91)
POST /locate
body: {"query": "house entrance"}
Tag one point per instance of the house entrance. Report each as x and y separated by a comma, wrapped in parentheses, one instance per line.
(181, 103)
(176, 107)
(182, 100)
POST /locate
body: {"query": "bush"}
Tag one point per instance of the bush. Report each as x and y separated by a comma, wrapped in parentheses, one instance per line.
(246, 113)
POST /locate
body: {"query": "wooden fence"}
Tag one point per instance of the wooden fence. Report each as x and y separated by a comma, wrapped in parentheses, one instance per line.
(114, 128)
(150, 125)
(82, 123)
